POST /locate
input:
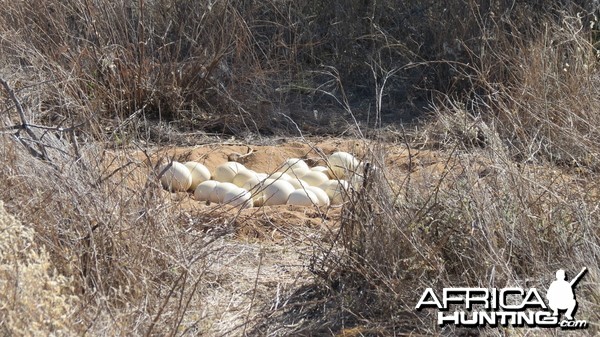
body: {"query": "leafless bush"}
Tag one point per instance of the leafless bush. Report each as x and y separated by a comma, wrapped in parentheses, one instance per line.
(162, 61)
(103, 222)
(541, 105)
(514, 92)
(112, 233)
(473, 219)
(499, 208)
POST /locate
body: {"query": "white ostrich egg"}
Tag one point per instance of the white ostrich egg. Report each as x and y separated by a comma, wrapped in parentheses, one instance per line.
(302, 197)
(276, 192)
(199, 173)
(342, 164)
(314, 178)
(322, 169)
(227, 171)
(298, 183)
(239, 197)
(280, 176)
(177, 178)
(251, 183)
(337, 191)
(223, 188)
(204, 190)
(243, 176)
(295, 167)
(321, 195)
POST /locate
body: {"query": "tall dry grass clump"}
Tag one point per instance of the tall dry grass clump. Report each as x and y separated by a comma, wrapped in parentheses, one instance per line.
(36, 299)
(137, 261)
(538, 93)
(107, 63)
(512, 197)
(133, 258)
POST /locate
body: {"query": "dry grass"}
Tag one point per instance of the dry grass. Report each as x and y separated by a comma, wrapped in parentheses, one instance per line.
(116, 66)
(122, 245)
(543, 105)
(511, 198)
(100, 248)
(36, 299)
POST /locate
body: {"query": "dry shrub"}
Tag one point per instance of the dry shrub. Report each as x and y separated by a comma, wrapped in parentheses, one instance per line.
(422, 42)
(538, 94)
(234, 66)
(548, 110)
(153, 60)
(137, 262)
(498, 209)
(473, 219)
(36, 299)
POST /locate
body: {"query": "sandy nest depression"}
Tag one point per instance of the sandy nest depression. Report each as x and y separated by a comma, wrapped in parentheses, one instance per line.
(266, 252)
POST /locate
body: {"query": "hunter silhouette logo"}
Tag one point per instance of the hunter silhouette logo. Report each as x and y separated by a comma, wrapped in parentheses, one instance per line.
(561, 295)
(513, 306)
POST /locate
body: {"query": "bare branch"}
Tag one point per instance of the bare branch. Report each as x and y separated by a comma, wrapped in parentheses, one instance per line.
(41, 151)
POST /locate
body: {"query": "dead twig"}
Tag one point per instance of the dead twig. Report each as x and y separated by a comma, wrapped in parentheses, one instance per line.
(237, 157)
(40, 152)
